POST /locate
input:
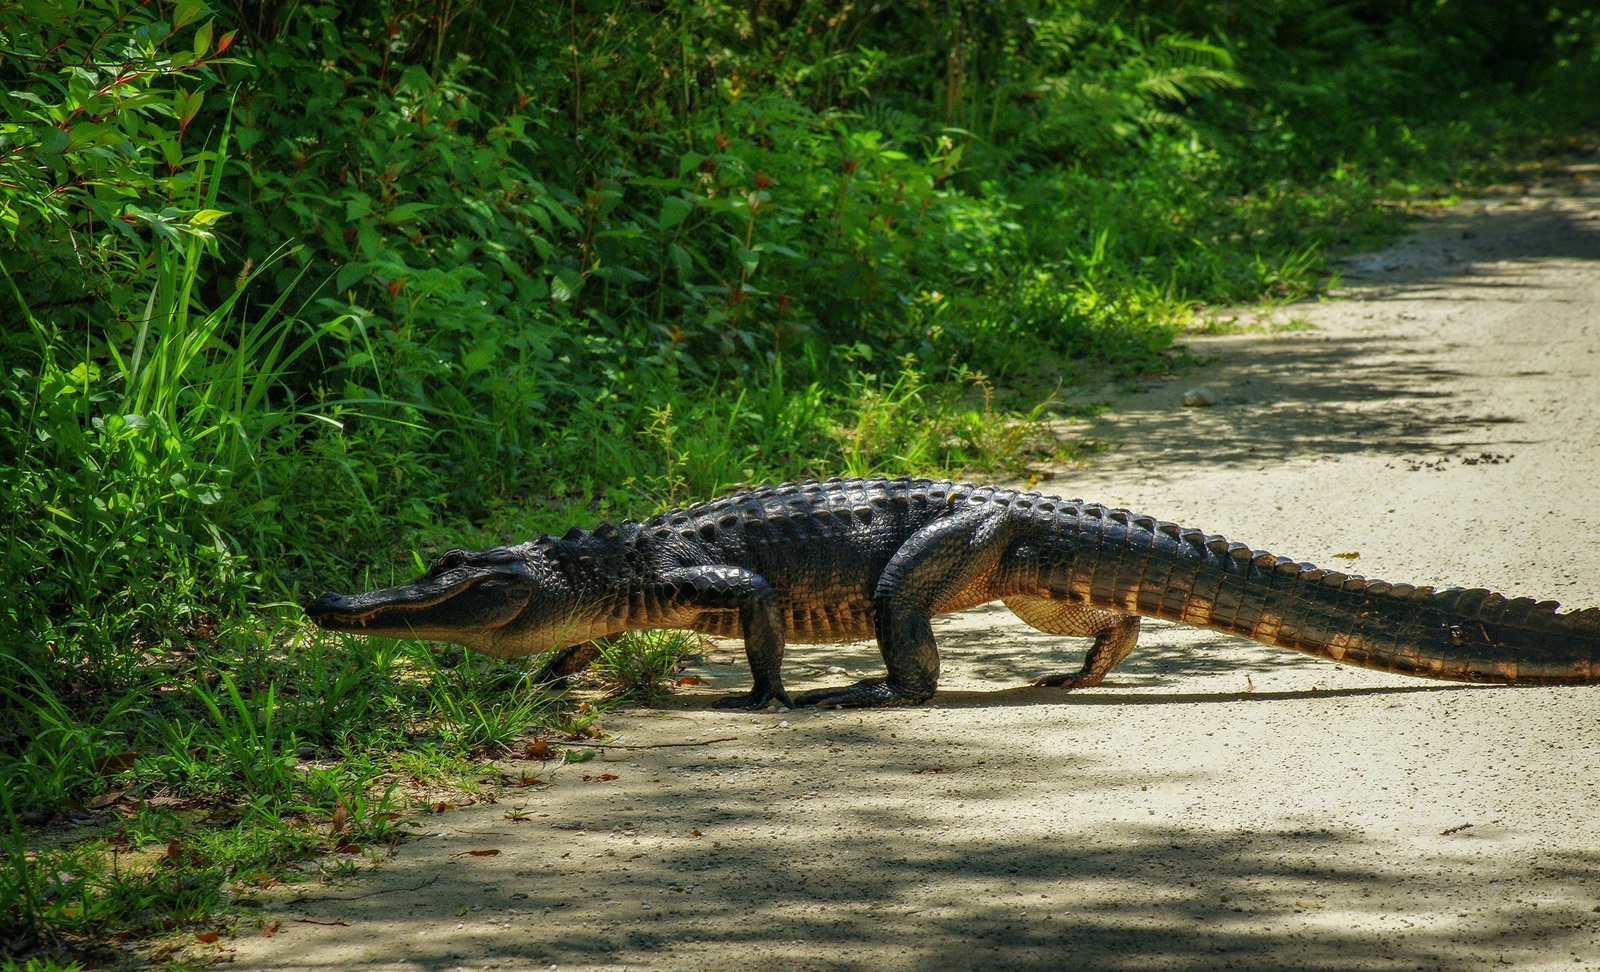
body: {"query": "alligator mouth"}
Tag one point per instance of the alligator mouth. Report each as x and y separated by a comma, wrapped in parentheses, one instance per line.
(425, 609)
(348, 613)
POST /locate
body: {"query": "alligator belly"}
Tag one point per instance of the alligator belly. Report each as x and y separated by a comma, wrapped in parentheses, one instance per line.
(815, 625)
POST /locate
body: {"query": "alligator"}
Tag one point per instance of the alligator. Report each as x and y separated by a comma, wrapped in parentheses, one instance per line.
(852, 559)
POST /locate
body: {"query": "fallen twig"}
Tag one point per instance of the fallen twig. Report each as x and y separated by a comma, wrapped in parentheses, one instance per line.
(369, 894)
(595, 745)
(373, 894)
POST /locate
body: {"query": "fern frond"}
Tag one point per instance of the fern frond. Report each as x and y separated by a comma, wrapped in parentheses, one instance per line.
(1183, 83)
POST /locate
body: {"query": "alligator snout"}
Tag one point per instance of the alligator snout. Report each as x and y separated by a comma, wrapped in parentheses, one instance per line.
(327, 604)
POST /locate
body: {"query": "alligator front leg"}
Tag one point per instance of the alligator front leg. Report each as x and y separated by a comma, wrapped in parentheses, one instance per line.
(722, 588)
(944, 557)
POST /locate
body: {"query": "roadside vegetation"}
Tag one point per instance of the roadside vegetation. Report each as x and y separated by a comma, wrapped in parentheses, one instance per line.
(296, 296)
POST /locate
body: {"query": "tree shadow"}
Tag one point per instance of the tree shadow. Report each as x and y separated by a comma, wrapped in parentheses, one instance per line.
(1312, 395)
(889, 891)
(1472, 245)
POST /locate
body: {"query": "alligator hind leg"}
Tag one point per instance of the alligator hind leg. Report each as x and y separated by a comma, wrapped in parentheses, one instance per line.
(1114, 636)
(906, 637)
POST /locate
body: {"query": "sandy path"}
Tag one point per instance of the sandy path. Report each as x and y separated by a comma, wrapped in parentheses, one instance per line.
(1216, 804)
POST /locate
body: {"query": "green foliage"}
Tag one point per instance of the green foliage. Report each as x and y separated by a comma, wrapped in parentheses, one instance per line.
(908, 425)
(640, 665)
(95, 152)
(484, 706)
(39, 965)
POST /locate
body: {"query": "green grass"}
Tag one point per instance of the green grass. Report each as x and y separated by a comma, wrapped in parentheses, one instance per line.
(639, 667)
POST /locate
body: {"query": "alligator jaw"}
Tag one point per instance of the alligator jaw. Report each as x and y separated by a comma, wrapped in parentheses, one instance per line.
(466, 611)
(337, 612)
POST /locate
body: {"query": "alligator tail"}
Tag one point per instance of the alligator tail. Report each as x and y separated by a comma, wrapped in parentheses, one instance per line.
(1157, 569)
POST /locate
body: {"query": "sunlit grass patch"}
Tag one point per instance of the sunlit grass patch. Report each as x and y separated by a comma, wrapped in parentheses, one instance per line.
(912, 424)
(640, 665)
(1218, 325)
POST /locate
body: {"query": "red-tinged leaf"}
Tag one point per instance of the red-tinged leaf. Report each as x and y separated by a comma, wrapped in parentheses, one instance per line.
(537, 749)
(114, 763)
(340, 816)
(602, 778)
(530, 781)
(207, 937)
(270, 928)
(106, 799)
(226, 40)
(179, 853)
(350, 848)
(441, 807)
(696, 833)
(188, 107)
(489, 852)
(691, 680)
(395, 286)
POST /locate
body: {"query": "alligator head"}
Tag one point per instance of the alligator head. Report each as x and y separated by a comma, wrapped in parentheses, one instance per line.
(504, 601)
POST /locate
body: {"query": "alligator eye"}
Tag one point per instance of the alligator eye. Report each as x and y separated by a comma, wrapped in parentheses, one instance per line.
(451, 558)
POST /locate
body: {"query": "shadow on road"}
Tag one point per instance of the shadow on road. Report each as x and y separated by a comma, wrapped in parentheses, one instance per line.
(1314, 395)
(1144, 896)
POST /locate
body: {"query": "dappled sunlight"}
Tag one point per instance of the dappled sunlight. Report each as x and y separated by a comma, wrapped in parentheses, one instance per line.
(1373, 389)
(742, 855)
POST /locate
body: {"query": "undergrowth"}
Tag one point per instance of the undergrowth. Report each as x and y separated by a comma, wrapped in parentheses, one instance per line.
(296, 296)
(640, 668)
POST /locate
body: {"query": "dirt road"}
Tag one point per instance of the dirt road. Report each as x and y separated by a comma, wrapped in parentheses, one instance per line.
(1215, 804)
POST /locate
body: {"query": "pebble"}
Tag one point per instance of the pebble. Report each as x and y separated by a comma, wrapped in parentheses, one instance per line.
(1199, 397)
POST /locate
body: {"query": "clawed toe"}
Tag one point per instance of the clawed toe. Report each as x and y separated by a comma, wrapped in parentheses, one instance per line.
(756, 698)
(1063, 680)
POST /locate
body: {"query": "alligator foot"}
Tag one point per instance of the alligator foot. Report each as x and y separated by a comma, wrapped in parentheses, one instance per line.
(756, 698)
(1073, 680)
(868, 692)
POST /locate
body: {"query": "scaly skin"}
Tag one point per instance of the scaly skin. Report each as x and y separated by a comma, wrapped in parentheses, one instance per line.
(846, 560)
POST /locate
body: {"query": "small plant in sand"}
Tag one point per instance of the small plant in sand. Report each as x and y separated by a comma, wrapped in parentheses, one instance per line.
(640, 665)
